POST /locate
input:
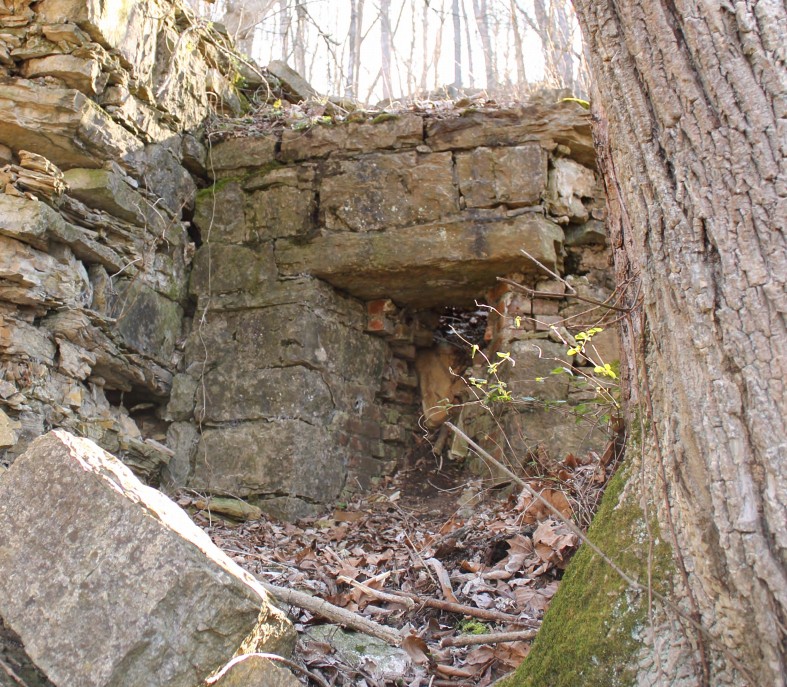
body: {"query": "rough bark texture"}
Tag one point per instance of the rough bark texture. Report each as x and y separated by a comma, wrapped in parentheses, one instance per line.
(691, 133)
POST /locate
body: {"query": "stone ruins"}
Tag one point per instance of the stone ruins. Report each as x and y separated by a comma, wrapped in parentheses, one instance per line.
(269, 316)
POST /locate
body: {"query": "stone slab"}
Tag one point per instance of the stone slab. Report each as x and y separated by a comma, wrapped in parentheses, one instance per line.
(107, 582)
(438, 264)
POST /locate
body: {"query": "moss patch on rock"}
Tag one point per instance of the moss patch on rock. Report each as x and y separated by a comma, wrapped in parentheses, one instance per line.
(591, 631)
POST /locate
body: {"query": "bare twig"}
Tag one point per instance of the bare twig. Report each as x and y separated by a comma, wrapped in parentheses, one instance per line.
(8, 670)
(481, 613)
(334, 613)
(491, 638)
(377, 594)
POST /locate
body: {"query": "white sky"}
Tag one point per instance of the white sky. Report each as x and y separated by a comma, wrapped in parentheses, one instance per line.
(333, 17)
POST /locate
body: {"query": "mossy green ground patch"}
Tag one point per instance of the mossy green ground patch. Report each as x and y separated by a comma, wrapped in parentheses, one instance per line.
(589, 635)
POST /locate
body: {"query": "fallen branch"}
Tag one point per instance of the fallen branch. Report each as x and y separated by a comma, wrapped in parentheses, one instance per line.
(491, 638)
(377, 594)
(480, 613)
(340, 616)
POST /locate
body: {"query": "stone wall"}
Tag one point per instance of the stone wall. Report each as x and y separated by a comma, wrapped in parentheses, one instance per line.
(276, 335)
(327, 258)
(95, 188)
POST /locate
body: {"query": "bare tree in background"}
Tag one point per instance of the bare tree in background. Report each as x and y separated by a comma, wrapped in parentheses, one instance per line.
(457, 19)
(241, 18)
(355, 38)
(481, 11)
(519, 54)
(385, 47)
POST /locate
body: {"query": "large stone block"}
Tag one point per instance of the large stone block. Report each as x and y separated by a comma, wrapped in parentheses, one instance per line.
(516, 176)
(270, 458)
(146, 321)
(563, 123)
(61, 124)
(107, 582)
(112, 193)
(381, 191)
(241, 390)
(77, 72)
(219, 213)
(441, 264)
(281, 211)
(230, 157)
(226, 268)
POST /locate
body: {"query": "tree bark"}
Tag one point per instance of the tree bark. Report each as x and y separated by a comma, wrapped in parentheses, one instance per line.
(690, 124)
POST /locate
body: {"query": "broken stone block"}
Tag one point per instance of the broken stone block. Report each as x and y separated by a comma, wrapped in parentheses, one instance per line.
(232, 508)
(77, 72)
(516, 176)
(8, 431)
(295, 87)
(107, 582)
(61, 124)
(31, 277)
(570, 183)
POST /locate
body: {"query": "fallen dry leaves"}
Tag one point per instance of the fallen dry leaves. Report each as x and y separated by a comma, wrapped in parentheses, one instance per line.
(393, 559)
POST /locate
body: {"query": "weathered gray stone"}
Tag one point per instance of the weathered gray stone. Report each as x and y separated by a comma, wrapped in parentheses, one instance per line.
(571, 183)
(382, 191)
(182, 438)
(225, 268)
(31, 277)
(219, 213)
(127, 586)
(61, 124)
(231, 157)
(281, 211)
(147, 321)
(160, 166)
(591, 233)
(290, 457)
(293, 84)
(516, 176)
(80, 73)
(439, 264)
(241, 390)
(110, 192)
(255, 671)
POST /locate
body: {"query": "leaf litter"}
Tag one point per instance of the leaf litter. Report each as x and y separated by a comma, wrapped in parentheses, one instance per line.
(444, 576)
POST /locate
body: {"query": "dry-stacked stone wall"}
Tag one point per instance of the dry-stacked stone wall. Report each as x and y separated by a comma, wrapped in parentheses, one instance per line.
(327, 257)
(95, 189)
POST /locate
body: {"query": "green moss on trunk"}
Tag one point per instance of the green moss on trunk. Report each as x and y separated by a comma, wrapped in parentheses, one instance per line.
(590, 635)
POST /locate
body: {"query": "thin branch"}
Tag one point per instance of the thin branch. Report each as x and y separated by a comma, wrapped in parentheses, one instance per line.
(334, 613)
(491, 638)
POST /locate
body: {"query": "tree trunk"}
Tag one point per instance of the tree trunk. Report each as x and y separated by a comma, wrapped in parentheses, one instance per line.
(385, 47)
(521, 75)
(482, 20)
(457, 18)
(691, 132)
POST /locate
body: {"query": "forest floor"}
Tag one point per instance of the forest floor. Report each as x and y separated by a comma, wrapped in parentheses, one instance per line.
(440, 558)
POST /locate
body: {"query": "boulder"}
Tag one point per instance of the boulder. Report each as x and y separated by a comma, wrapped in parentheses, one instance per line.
(107, 582)
(81, 73)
